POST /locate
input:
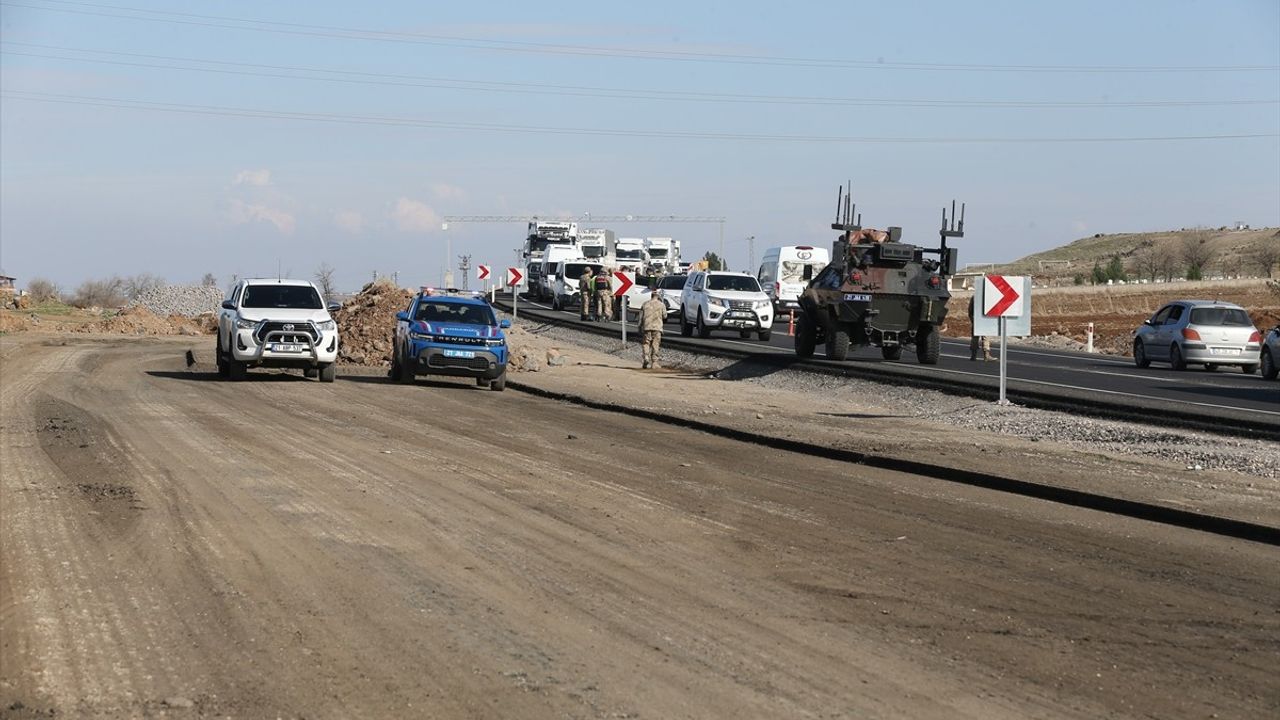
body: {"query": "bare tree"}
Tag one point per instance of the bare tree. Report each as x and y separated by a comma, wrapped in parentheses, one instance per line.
(324, 278)
(135, 285)
(1146, 262)
(1196, 252)
(100, 293)
(1168, 258)
(1267, 255)
(42, 290)
(209, 280)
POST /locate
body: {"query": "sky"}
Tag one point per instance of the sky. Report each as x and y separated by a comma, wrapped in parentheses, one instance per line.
(253, 138)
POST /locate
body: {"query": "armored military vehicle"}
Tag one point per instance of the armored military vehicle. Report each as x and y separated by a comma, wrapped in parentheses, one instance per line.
(878, 290)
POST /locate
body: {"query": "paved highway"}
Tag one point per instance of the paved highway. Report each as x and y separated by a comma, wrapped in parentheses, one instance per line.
(1226, 396)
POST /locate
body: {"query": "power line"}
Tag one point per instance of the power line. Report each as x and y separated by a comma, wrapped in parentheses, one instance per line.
(223, 111)
(397, 80)
(349, 33)
(586, 218)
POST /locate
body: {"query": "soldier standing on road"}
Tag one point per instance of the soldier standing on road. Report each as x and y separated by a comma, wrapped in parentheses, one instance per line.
(652, 315)
(585, 292)
(604, 296)
(977, 342)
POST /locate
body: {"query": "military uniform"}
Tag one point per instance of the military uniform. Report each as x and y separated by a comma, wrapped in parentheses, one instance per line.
(977, 342)
(604, 296)
(652, 315)
(585, 292)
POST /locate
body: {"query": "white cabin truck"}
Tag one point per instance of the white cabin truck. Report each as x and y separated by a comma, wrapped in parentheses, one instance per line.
(786, 271)
(628, 254)
(596, 243)
(663, 255)
(540, 234)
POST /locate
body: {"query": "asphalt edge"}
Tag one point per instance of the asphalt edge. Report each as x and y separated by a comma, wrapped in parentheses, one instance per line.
(1212, 524)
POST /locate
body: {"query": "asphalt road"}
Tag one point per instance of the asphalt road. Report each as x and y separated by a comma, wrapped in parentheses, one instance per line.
(1226, 394)
(174, 544)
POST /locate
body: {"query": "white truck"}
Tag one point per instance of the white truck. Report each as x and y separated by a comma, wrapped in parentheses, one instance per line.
(554, 255)
(540, 234)
(663, 255)
(628, 254)
(276, 323)
(596, 243)
(786, 271)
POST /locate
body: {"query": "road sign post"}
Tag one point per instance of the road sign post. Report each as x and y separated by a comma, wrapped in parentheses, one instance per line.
(1005, 303)
(514, 277)
(622, 283)
(482, 273)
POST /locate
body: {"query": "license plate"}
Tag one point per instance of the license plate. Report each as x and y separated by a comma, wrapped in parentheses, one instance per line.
(1224, 351)
(738, 315)
(857, 297)
(737, 323)
(460, 353)
(285, 347)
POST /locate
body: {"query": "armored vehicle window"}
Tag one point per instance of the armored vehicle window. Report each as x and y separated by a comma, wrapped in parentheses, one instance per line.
(295, 297)
(742, 283)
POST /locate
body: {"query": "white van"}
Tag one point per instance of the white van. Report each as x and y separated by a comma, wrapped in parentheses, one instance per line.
(787, 270)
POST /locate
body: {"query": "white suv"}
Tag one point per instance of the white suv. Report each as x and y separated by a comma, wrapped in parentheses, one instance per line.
(724, 300)
(276, 323)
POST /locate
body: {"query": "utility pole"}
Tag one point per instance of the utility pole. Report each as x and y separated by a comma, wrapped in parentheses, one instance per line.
(751, 253)
(722, 264)
(465, 267)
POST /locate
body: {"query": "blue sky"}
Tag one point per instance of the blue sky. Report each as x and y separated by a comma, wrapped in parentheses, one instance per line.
(184, 138)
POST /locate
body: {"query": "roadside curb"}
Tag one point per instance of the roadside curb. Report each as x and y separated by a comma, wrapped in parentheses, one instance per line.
(1165, 515)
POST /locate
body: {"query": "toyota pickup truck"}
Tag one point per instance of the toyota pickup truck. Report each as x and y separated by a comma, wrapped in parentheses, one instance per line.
(276, 324)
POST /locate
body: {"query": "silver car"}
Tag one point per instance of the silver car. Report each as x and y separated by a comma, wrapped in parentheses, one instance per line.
(1202, 332)
(669, 287)
(1271, 354)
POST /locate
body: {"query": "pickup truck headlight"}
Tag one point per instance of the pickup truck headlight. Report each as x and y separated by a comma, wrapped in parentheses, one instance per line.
(243, 324)
(326, 325)
(759, 304)
(715, 303)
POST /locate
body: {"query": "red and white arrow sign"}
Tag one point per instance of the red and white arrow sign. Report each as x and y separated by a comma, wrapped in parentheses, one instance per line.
(1001, 296)
(514, 277)
(623, 283)
(482, 272)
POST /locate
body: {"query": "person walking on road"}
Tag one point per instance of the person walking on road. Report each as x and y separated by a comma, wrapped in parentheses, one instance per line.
(604, 296)
(977, 342)
(652, 315)
(585, 292)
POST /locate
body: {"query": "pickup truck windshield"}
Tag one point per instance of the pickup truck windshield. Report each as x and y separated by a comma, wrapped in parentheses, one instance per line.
(733, 282)
(293, 297)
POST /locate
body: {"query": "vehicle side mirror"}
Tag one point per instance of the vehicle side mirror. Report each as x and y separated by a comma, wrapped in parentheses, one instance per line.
(402, 316)
(334, 306)
(1148, 322)
(228, 305)
(504, 323)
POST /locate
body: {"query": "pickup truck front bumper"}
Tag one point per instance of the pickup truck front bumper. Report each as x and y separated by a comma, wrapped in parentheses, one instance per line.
(285, 349)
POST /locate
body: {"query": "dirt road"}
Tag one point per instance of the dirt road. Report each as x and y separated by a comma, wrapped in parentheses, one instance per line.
(181, 546)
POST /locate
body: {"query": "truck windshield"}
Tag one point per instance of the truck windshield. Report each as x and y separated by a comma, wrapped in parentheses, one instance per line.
(741, 283)
(657, 252)
(464, 314)
(796, 271)
(593, 251)
(630, 254)
(294, 297)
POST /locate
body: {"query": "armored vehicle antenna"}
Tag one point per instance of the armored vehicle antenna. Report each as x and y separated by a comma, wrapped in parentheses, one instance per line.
(849, 219)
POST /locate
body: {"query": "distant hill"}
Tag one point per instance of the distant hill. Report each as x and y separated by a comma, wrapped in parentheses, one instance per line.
(1230, 253)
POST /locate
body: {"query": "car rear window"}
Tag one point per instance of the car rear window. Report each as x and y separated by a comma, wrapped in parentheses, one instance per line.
(733, 282)
(672, 282)
(1230, 317)
(293, 297)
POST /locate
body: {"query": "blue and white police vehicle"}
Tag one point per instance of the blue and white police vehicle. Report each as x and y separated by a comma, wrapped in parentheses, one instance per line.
(450, 333)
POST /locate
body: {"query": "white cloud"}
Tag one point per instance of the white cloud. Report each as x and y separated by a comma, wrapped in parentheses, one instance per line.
(445, 191)
(413, 216)
(253, 178)
(1079, 226)
(242, 212)
(349, 220)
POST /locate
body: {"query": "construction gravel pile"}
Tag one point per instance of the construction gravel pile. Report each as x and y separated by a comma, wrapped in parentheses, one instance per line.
(184, 300)
(1194, 451)
(367, 321)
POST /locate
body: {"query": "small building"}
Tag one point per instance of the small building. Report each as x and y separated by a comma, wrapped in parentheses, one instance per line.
(7, 285)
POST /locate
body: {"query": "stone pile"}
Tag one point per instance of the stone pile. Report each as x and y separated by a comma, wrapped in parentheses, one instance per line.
(184, 300)
(367, 321)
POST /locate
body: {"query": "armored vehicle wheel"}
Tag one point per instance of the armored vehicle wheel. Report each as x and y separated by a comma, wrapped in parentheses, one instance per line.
(236, 370)
(744, 334)
(837, 345)
(328, 372)
(686, 329)
(891, 352)
(928, 345)
(1140, 355)
(224, 369)
(806, 338)
(766, 334)
(1175, 358)
(704, 332)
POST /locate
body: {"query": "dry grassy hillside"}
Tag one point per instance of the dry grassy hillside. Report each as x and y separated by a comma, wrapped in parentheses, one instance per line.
(1228, 253)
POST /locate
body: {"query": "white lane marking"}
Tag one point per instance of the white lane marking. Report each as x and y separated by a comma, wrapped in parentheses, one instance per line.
(1185, 381)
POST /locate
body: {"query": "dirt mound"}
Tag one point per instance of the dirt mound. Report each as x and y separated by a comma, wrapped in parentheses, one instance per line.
(366, 323)
(138, 320)
(16, 322)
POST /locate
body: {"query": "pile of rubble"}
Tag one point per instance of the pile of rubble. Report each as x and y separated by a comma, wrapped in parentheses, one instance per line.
(135, 320)
(184, 300)
(367, 321)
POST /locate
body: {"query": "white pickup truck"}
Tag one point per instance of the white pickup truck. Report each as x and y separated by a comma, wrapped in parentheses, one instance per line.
(276, 323)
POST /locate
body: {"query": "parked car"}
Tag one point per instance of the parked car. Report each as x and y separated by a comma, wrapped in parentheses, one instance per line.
(451, 333)
(278, 324)
(712, 300)
(1271, 354)
(1203, 332)
(668, 288)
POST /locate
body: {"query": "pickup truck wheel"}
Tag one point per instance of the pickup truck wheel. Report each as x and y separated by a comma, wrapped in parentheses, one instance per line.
(891, 352)
(499, 383)
(686, 330)
(223, 368)
(806, 339)
(704, 332)
(310, 372)
(236, 370)
(837, 345)
(328, 372)
(928, 345)
(765, 335)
